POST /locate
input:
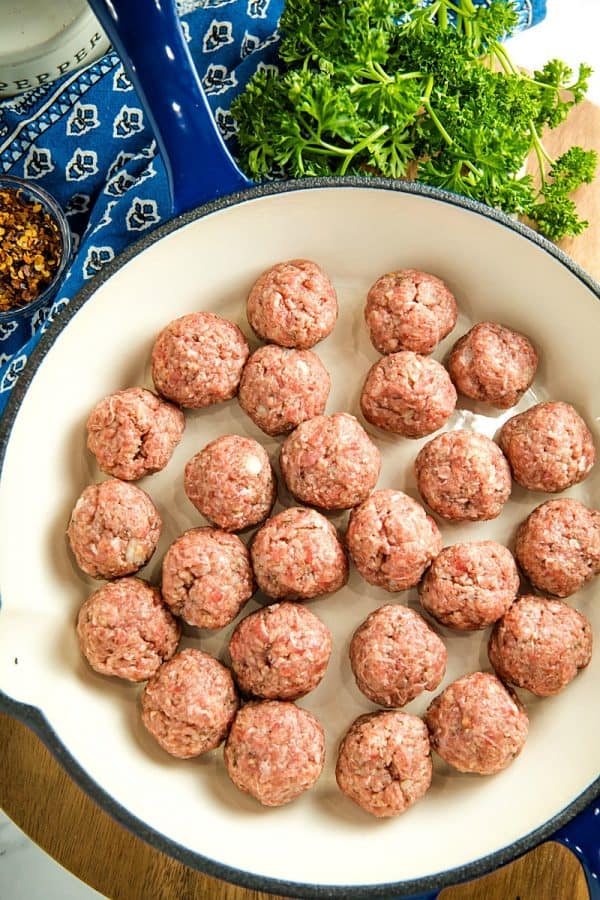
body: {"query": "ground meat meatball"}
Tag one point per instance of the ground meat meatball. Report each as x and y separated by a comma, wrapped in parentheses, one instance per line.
(281, 388)
(409, 310)
(549, 447)
(297, 555)
(114, 529)
(558, 546)
(133, 433)
(392, 540)
(395, 656)
(207, 577)
(330, 462)
(463, 475)
(408, 394)
(197, 360)
(384, 762)
(477, 724)
(493, 364)
(540, 644)
(293, 304)
(231, 482)
(124, 629)
(189, 705)
(275, 751)
(280, 652)
(471, 585)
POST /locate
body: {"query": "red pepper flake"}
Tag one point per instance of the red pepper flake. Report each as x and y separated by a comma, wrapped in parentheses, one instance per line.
(30, 249)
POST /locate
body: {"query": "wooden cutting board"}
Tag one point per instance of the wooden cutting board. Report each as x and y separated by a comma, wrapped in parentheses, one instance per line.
(42, 799)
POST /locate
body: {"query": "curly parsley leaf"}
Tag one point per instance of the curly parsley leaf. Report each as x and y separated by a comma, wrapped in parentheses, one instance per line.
(392, 86)
(555, 212)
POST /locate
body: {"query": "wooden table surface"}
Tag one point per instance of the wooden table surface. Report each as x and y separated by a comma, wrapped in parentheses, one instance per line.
(42, 799)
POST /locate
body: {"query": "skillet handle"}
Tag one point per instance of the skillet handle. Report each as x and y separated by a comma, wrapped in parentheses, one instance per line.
(148, 37)
(582, 836)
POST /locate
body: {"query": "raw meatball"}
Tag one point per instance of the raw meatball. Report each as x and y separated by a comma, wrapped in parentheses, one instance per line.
(384, 762)
(408, 394)
(409, 310)
(558, 546)
(133, 433)
(470, 586)
(297, 555)
(477, 724)
(540, 645)
(280, 652)
(463, 475)
(231, 482)
(330, 462)
(275, 751)
(197, 360)
(395, 656)
(207, 577)
(293, 304)
(124, 629)
(549, 447)
(114, 529)
(189, 705)
(281, 388)
(392, 540)
(493, 364)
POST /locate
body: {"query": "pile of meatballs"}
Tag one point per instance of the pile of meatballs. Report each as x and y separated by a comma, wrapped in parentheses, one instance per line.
(191, 702)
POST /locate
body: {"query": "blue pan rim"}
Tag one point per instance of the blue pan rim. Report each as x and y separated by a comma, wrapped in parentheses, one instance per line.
(34, 718)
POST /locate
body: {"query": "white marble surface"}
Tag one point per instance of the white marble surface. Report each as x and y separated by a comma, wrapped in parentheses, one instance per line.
(570, 32)
(27, 873)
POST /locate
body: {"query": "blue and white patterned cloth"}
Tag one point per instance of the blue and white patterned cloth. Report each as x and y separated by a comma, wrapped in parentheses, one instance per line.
(86, 141)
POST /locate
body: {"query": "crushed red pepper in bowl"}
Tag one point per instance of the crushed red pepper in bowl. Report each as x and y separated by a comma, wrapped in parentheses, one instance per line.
(31, 248)
(35, 249)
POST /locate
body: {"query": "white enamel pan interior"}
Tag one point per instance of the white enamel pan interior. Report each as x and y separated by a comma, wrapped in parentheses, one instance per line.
(321, 844)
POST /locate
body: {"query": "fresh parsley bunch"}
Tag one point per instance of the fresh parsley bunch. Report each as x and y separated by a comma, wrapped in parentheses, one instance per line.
(396, 88)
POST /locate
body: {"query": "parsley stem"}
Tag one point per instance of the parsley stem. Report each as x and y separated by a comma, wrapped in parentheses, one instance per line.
(425, 100)
(474, 169)
(378, 68)
(503, 58)
(318, 144)
(539, 144)
(371, 138)
(466, 11)
(432, 9)
(443, 15)
(325, 149)
(437, 122)
(315, 135)
(428, 90)
(544, 84)
(463, 12)
(376, 73)
(540, 152)
(457, 9)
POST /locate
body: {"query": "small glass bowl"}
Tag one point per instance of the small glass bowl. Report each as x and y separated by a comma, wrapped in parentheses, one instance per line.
(15, 324)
